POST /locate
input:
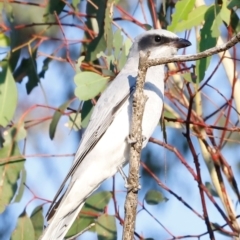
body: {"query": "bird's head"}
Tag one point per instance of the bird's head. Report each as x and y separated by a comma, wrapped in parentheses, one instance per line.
(161, 43)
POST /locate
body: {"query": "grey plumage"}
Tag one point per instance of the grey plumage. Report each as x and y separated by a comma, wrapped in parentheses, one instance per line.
(104, 145)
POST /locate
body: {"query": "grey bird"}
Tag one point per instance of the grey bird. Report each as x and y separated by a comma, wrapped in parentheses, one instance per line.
(104, 147)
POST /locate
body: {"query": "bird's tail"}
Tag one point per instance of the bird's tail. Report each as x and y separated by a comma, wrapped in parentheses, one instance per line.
(60, 223)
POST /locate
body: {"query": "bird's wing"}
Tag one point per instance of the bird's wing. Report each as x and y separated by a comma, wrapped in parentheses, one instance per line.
(105, 110)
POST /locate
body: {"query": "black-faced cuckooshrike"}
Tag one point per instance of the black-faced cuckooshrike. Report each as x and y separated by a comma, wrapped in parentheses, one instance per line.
(104, 146)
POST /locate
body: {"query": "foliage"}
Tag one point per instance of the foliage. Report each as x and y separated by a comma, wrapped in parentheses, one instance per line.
(35, 39)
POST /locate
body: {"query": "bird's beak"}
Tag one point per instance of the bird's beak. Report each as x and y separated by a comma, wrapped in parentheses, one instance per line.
(181, 43)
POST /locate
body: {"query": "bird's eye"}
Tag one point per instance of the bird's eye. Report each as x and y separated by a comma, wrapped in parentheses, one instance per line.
(158, 38)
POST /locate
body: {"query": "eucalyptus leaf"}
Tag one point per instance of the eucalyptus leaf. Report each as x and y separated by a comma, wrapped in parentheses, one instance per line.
(4, 40)
(154, 197)
(182, 9)
(89, 85)
(9, 172)
(8, 96)
(24, 229)
(106, 227)
(56, 117)
(37, 221)
(195, 18)
(94, 205)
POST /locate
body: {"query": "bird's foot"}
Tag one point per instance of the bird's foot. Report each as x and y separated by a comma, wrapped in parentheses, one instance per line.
(123, 176)
(131, 140)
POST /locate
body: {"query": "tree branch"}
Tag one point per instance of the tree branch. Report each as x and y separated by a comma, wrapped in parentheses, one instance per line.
(135, 140)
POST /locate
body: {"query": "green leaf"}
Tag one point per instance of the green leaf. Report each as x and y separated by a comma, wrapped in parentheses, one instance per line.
(10, 170)
(74, 121)
(79, 63)
(189, 76)
(4, 40)
(235, 22)
(86, 112)
(225, 12)
(8, 95)
(28, 67)
(75, 4)
(14, 134)
(37, 221)
(216, 25)
(94, 205)
(108, 34)
(24, 229)
(182, 9)
(56, 117)
(211, 189)
(109, 59)
(45, 67)
(117, 43)
(23, 177)
(53, 6)
(89, 85)
(209, 34)
(125, 51)
(99, 43)
(234, 3)
(96, 46)
(106, 227)
(147, 27)
(8, 11)
(154, 197)
(195, 17)
(14, 55)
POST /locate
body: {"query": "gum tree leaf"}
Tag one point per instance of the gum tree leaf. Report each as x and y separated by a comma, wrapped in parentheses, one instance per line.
(108, 58)
(89, 85)
(56, 117)
(75, 4)
(208, 35)
(45, 67)
(74, 121)
(211, 189)
(182, 9)
(28, 67)
(234, 3)
(4, 40)
(125, 51)
(154, 197)
(225, 12)
(13, 56)
(24, 229)
(53, 6)
(9, 173)
(8, 95)
(108, 34)
(23, 177)
(86, 113)
(195, 17)
(37, 221)
(94, 206)
(117, 43)
(99, 43)
(15, 134)
(106, 227)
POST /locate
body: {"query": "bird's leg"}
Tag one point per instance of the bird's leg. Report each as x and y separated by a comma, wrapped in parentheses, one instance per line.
(126, 185)
(131, 140)
(123, 176)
